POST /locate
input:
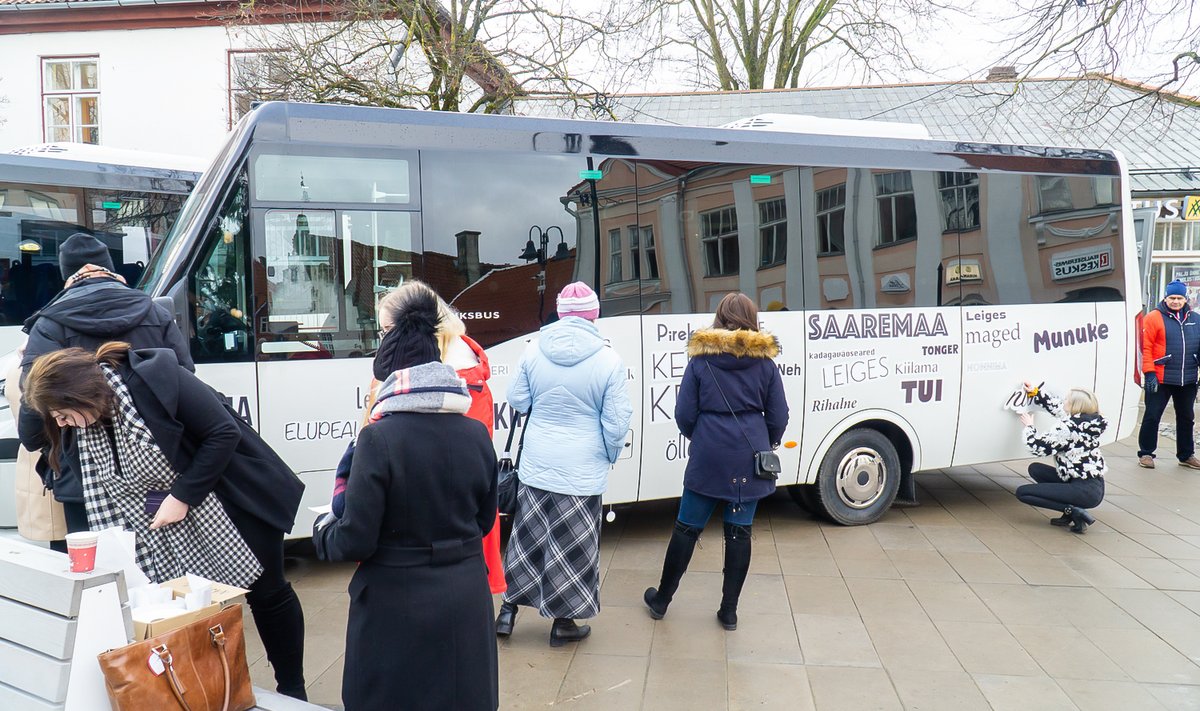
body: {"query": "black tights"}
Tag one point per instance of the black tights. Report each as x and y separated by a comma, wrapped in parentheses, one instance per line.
(276, 609)
(1051, 492)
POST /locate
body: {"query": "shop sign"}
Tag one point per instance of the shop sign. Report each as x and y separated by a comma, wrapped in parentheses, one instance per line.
(895, 283)
(1191, 207)
(1083, 262)
(967, 270)
(1174, 209)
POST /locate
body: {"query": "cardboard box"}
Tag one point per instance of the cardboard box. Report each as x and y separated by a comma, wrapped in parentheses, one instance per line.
(223, 596)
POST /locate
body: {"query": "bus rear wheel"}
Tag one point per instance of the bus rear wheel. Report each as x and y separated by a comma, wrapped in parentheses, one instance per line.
(858, 478)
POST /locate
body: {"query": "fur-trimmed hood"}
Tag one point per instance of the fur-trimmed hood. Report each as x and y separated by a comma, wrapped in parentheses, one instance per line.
(739, 343)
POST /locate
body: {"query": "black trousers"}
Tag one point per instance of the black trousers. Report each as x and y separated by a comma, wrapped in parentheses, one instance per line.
(276, 609)
(1051, 492)
(1184, 397)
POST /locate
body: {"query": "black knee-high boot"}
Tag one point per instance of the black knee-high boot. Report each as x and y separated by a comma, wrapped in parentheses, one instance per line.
(675, 564)
(280, 622)
(737, 565)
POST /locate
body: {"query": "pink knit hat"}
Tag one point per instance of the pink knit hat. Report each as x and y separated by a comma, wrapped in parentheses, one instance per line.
(578, 299)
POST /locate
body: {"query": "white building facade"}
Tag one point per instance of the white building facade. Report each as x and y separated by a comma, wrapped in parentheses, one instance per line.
(135, 75)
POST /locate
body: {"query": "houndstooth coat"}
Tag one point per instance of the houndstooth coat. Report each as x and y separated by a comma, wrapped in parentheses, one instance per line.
(212, 448)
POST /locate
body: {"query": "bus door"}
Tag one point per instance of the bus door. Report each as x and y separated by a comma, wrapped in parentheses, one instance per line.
(1049, 251)
(331, 232)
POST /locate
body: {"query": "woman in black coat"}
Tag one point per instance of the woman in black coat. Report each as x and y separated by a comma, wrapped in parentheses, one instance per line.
(148, 430)
(730, 405)
(420, 496)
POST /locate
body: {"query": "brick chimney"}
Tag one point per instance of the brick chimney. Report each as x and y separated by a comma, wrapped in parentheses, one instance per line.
(468, 255)
(1002, 73)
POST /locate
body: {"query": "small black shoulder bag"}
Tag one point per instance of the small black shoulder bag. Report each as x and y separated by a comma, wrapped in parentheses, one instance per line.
(766, 462)
(506, 468)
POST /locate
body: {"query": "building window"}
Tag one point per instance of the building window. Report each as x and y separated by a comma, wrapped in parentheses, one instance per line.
(614, 256)
(831, 219)
(71, 99)
(1105, 190)
(651, 254)
(897, 207)
(1054, 193)
(960, 200)
(772, 232)
(635, 253)
(254, 75)
(718, 234)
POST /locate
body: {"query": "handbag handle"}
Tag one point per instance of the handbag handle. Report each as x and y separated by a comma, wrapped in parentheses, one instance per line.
(216, 635)
(168, 661)
(731, 412)
(512, 431)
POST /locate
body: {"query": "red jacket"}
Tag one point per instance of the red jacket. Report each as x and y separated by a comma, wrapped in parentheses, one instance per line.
(1176, 344)
(482, 410)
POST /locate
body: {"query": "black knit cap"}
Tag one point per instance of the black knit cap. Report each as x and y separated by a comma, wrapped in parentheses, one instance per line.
(81, 249)
(413, 338)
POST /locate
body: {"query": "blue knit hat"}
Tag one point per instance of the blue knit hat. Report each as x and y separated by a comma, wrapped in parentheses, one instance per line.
(1176, 288)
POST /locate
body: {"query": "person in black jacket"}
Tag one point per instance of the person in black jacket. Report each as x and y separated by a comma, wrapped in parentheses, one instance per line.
(420, 497)
(95, 307)
(730, 405)
(146, 430)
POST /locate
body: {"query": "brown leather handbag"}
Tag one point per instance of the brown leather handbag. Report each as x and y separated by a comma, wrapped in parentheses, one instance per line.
(198, 667)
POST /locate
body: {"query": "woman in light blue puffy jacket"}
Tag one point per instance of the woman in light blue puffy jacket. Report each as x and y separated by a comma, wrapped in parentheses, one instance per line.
(575, 384)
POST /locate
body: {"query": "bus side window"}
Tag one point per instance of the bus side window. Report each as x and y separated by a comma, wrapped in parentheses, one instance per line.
(217, 285)
(1051, 239)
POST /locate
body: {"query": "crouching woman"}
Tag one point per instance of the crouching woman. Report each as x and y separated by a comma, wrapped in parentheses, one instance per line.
(1076, 481)
(420, 497)
(148, 431)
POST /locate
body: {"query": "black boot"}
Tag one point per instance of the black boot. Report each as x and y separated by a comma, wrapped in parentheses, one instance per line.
(506, 619)
(1080, 520)
(1064, 520)
(737, 564)
(565, 630)
(280, 622)
(679, 554)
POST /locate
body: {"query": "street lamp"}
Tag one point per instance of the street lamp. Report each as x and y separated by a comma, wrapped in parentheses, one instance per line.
(538, 251)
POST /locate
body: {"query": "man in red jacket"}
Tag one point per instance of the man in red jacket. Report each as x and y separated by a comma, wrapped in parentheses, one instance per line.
(1170, 359)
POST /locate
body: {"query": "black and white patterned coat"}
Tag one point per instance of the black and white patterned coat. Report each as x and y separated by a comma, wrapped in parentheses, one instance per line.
(1074, 444)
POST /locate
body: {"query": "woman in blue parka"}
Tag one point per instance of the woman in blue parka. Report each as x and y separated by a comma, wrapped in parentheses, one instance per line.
(575, 384)
(731, 404)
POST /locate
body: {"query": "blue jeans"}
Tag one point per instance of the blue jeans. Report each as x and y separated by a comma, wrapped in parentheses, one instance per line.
(695, 510)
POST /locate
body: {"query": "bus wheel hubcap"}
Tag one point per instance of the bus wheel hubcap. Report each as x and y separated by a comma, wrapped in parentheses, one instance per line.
(861, 476)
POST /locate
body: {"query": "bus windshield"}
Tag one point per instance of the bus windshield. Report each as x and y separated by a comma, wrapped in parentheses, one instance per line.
(191, 210)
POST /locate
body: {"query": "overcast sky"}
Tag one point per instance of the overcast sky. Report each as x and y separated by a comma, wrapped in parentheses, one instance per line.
(968, 41)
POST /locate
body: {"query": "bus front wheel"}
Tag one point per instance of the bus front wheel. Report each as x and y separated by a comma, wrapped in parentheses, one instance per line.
(859, 477)
(805, 496)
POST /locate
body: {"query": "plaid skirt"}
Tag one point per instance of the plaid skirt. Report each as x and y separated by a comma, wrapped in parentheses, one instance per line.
(553, 557)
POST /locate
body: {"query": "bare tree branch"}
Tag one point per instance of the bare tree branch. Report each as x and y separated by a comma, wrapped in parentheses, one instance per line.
(449, 55)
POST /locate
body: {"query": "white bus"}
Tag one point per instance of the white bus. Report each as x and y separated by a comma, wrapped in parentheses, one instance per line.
(913, 283)
(127, 199)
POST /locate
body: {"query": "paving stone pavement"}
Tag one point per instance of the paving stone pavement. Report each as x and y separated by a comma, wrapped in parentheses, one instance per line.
(969, 601)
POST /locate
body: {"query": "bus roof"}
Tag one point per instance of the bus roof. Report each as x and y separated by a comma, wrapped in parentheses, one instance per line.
(338, 125)
(102, 168)
(88, 152)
